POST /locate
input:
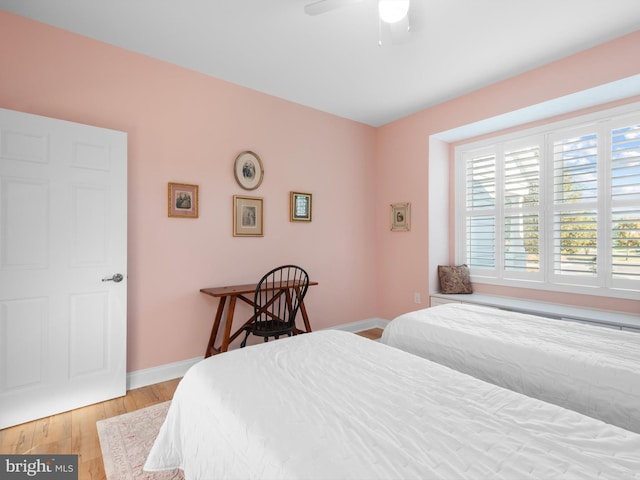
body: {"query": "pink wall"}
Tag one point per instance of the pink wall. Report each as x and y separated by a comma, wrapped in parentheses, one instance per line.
(402, 153)
(186, 127)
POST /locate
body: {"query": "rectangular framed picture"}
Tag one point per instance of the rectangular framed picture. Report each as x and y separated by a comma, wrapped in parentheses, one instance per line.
(300, 207)
(183, 200)
(248, 220)
(400, 217)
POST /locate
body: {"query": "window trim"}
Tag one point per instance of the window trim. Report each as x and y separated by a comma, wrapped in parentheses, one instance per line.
(550, 281)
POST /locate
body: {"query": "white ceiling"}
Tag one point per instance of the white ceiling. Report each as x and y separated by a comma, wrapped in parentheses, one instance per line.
(333, 62)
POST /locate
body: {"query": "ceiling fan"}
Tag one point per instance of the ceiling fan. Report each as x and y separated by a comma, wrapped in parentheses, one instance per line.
(391, 12)
(324, 6)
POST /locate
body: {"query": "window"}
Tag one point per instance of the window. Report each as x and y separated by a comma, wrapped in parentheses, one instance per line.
(481, 225)
(557, 207)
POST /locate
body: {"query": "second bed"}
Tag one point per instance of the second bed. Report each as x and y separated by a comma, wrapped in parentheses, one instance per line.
(588, 369)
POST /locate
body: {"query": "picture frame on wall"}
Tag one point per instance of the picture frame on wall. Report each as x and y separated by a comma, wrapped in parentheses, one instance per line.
(400, 217)
(248, 170)
(300, 210)
(248, 218)
(183, 200)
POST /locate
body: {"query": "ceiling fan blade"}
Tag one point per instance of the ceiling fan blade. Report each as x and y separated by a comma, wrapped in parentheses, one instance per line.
(324, 6)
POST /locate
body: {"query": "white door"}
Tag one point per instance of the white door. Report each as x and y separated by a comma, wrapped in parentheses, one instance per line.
(63, 221)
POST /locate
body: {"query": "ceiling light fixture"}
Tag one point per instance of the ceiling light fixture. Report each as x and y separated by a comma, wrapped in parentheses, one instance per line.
(393, 11)
(393, 16)
(393, 21)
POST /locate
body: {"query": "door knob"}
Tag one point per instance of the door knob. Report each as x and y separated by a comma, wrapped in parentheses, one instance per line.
(116, 278)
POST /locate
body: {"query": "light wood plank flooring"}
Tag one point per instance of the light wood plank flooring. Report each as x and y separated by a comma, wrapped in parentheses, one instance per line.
(75, 432)
(372, 333)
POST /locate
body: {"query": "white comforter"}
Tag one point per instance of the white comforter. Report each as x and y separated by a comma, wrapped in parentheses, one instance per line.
(332, 405)
(589, 369)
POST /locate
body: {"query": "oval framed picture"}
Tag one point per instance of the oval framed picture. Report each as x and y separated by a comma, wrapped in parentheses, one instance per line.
(248, 170)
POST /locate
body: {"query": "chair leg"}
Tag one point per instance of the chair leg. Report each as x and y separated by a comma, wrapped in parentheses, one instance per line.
(244, 342)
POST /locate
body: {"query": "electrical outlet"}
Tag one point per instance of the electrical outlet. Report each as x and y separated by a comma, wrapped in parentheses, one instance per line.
(416, 297)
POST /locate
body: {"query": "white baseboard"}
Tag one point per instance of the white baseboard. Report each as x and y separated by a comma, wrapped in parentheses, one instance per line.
(162, 373)
(361, 325)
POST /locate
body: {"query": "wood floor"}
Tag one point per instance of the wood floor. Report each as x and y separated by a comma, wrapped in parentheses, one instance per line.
(75, 432)
(373, 333)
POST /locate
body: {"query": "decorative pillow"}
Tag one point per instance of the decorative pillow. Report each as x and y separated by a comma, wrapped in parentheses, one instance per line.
(454, 279)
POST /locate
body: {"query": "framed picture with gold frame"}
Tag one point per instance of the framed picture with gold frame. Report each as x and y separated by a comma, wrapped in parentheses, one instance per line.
(248, 170)
(183, 200)
(248, 218)
(300, 210)
(400, 217)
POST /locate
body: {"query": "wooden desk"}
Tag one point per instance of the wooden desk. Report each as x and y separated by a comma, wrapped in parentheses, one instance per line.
(235, 292)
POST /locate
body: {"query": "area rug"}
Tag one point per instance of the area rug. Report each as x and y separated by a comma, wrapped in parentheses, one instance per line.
(126, 440)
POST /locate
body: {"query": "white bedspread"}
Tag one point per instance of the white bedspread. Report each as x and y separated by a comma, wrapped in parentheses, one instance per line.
(332, 405)
(589, 369)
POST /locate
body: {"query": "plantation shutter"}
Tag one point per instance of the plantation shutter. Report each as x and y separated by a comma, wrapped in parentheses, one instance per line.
(625, 203)
(575, 184)
(481, 210)
(521, 209)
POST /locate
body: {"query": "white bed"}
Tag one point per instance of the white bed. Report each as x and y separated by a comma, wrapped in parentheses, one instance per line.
(333, 405)
(589, 369)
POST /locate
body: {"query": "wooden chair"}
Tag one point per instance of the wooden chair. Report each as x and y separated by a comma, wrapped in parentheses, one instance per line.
(277, 300)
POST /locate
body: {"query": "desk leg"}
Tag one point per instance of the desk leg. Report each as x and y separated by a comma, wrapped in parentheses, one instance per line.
(305, 317)
(214, 330)
(227, 326)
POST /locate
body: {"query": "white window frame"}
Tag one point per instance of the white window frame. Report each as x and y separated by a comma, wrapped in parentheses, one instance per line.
(545, 279)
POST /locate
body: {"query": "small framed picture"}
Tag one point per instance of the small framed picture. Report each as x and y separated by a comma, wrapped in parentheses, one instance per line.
(300, 207)
(183, 200)
(248, 220)
(400, 217)
(248, 170)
